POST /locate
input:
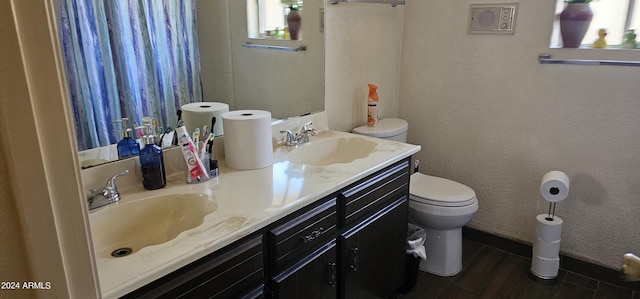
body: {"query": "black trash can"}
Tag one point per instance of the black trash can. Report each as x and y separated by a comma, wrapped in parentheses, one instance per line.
(415, 253)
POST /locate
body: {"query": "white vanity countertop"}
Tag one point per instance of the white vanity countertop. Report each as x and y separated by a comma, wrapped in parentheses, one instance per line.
(247, 201)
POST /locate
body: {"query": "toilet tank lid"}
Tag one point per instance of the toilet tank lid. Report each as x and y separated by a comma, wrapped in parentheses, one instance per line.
(439, 189)
(387, 127)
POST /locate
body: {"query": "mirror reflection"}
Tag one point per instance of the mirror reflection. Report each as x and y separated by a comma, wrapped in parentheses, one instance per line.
(127, 59)
(275, 19)
(130, 59)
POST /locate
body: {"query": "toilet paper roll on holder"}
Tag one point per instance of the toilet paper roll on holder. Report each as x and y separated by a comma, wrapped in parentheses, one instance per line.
(553, 191)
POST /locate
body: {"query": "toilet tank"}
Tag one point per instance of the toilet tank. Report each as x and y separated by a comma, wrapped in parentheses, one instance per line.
(388, 128)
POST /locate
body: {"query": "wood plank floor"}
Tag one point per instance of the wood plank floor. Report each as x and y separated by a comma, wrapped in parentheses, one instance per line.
(492, 273)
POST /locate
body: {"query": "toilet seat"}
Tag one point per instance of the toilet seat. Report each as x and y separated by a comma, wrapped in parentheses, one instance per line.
(436, 191)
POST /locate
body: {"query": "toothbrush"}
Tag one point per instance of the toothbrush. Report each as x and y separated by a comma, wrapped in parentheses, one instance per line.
(156, 124)
(213, 163)
(208, 143)
(205, 132)
(174, 141)
(139, 128)
(196, 138)
(159, 142)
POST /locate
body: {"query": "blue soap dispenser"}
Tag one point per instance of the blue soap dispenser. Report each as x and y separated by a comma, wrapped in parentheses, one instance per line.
(128, 146)
(152, 162)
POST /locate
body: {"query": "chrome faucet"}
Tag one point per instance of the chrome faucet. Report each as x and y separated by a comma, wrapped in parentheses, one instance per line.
(302, 137)
(105, 195)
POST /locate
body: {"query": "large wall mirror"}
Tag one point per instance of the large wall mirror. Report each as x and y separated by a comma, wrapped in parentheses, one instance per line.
(286, 83)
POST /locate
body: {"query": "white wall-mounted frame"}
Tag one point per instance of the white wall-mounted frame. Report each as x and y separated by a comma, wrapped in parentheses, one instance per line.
(493, 18)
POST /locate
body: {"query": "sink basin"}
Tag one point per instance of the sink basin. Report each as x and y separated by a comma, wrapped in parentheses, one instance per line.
(123, 229)
(332, 151)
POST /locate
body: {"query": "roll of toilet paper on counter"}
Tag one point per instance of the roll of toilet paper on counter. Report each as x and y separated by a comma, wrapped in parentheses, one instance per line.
(197, 115)
(545, 268)
(548, 230)
(554, 186)
(247, 139)
(546, 249)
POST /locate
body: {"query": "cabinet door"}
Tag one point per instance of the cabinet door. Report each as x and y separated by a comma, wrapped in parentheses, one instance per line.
(314, 277)
(373, 253)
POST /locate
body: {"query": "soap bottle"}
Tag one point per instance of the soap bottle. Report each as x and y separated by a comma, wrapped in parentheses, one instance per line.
(152, 162)
(128, 146)
(372, 109)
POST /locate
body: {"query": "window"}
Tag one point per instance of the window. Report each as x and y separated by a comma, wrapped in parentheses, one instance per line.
(268, 18)
(616, 16)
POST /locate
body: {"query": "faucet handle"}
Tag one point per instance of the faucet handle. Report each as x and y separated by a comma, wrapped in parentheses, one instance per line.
(102, 196)
(306, 126)
(308, 130)
(110, 190)
(290, 137)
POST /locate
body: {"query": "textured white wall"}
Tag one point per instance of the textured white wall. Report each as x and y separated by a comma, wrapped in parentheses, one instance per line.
(362, 46)
(488, 115)
(214, 39)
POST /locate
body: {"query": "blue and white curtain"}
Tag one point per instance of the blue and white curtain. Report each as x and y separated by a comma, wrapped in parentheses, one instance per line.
(128, 58)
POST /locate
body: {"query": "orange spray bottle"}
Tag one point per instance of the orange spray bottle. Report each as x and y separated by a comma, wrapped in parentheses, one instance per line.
(372, 109)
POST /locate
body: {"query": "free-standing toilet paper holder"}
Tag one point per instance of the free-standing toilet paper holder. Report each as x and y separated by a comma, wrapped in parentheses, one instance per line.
(546, 263)
(536, 264)
(552, 212)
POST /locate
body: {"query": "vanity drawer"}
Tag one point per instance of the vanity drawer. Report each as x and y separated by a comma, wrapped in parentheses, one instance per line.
(228, 274)
(293, 239)
(367, 196)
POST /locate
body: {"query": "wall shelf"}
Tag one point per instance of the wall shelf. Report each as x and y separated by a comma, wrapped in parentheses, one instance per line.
(546, 59)
(270, 47)
(393, 3)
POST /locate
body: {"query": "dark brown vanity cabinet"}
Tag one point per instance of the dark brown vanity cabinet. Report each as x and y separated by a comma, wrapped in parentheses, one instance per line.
(349, 244)
(363, 256)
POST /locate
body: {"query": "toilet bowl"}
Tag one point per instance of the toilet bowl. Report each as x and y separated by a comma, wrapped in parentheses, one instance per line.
(439, 206)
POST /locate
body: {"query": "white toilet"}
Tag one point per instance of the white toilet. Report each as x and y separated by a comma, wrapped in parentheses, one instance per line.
(439, 206)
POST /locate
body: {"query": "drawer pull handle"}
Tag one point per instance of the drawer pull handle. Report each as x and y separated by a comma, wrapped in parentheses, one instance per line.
(354, 259)
(331, 269)
(313, 235)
